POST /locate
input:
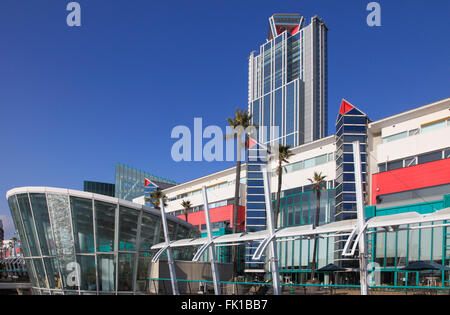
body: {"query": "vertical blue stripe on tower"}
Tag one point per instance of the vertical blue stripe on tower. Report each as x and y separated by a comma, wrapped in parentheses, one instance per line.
(255, 215)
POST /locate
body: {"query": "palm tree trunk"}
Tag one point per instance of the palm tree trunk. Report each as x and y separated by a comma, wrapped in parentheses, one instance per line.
(277, 207)
(316, 223)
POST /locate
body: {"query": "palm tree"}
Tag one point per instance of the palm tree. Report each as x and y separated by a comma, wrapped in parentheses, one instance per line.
(318, 182)
(284, 153)
(155, 196)
(242, 119)
(186, 204)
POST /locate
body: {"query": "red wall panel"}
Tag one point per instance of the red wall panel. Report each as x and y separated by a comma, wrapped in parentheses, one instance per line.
(219, 214)
(409, 178)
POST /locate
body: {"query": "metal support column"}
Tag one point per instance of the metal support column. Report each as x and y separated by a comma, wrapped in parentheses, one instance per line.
(273, 255)
(360, 219)
(212, 250)
(173, 274)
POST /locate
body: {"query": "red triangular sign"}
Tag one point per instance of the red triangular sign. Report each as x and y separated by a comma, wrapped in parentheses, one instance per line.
(250, 143)
(147, 182)
(345, 107)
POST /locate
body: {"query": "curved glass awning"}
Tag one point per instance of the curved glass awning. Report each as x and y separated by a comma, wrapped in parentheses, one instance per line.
(387, 221)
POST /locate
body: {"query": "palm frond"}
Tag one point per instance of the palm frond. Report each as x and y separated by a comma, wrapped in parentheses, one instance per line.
(318, 181)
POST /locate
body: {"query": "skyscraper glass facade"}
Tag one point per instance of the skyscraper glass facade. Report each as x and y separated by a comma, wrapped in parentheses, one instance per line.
(287, 97)
(100, 188)
(130, 182)
(288, 82)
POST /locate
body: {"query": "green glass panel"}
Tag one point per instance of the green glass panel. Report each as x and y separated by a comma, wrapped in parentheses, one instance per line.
(128, 219)
(105, 223)
(82, 219)
(126, 266)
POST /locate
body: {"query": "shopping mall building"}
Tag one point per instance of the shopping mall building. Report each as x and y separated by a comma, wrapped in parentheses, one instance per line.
(405, 159)
(405, 164)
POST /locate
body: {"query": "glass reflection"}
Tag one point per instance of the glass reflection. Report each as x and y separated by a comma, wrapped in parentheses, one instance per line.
(106, 272)
(149, 231)
(28, 223)
(39, 206)
(128, 219)
(30, 269)
(88, 279)
(82, 221)
(143, 271)
(41, 279)
(104, 220)
(18, 224)
(126, 265)
(52, 273)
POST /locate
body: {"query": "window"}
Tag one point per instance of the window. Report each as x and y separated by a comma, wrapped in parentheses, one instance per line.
(330, 156)
(349, 167)
(353, 138)
(355, 129)
(144, 262)
(82, 224)
(413, 196)
(252, 167)
(255, 190)
(255, 183)
(355, 120)
(414, 132)
(256, 221)
(395, 137)
(349, 177)
(28, 224)
(429, 157)
(128, 219)
(43, 228)
(297, 166)
(394, 165)
(410, 161)
(217, 204)
(106, 269)
(321, 159)
(253, 198)
(257, 175)
(255, 206)
(434, 125)
(256, 214)
(309, 163)
(105, 220)
(87, 273)
(126, 265)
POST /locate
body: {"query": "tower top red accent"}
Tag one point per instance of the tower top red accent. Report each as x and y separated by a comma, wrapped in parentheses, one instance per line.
(345, 107)
(280, 22)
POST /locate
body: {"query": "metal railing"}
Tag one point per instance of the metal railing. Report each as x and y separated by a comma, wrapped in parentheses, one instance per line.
(162, 286)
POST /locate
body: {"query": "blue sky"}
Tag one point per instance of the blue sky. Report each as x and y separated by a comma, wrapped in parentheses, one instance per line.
(76, 101)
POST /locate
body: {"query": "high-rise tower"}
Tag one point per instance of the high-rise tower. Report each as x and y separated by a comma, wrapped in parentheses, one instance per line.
(287, 95)
(288, 81)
